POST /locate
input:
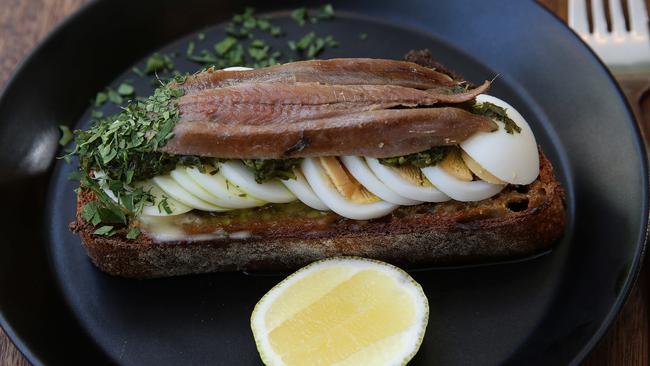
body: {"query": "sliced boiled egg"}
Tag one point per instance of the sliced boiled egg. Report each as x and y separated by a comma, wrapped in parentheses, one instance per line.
(453, 164)
(340, 192)
(460, 190)
(177, 192)
(228, 194)
(183, 178)
(361, 172)
(408, 181)
(511, 158)
(273, 191)
(157, 209)
(347, 186)
(478, 170)
(301, 189)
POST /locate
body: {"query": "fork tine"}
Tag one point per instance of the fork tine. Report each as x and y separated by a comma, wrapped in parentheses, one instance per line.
(578, 17)
(618, 19)
(638, 17)
(598, 16)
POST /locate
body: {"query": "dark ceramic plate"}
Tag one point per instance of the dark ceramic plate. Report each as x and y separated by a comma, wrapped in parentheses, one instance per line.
(549, 310)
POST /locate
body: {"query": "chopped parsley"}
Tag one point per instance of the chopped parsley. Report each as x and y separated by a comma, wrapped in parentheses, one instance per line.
(97, 212)
(244, 44)
(66, 135)
(158, 62)
(114, 97)
(125, 89)
(299, 16)
(243, 24)
(124, 147)
(258, 50)
(106, 230)
(235, 47)
(227, 52)
(263, 24)
(326, 12)
(203, 57)
(310, 45)
(100, 99)
(133, 233)
(275, 31)
(225, 45)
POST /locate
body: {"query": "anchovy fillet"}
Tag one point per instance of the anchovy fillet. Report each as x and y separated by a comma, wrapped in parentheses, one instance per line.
(257, 104)
(381, 133)
(341, 71)
(368, 107)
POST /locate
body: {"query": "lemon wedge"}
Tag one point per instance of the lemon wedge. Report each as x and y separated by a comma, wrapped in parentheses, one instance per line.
(341, 311)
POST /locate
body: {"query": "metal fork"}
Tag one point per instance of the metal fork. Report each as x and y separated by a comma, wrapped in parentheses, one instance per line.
(626, 53)
(618, 48)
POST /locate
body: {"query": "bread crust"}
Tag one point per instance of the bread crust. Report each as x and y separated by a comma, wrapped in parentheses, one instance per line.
(519, 222)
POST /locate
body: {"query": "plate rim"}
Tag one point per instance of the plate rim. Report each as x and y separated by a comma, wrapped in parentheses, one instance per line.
(642, 245)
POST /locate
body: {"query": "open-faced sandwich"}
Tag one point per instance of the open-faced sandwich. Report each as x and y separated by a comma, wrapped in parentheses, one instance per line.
(273, 168)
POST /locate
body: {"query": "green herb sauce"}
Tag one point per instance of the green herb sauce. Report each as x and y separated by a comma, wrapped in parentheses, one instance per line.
(493, 111)
(267, 169)
(421, 159)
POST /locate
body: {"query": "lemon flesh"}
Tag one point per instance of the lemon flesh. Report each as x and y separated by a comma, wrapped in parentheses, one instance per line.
(341, 311)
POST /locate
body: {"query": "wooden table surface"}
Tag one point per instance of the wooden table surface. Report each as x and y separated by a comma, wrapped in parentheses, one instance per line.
(23, 23)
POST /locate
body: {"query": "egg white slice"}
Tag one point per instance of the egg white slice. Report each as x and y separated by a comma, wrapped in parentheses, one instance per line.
(273, 191)
(360, 171)
(237, 68)
(458, 189)
(405, 188)
(175, 191)
(182, 177)
(513, 158)
(328, 194)
(175, 207)
(303, 191)
(229, 195)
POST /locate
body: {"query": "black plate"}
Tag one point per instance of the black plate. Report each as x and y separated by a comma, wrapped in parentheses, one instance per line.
(550, 310)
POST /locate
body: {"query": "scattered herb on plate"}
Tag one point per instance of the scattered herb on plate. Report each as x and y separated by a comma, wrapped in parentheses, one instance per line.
(66, 135)
(158, 62)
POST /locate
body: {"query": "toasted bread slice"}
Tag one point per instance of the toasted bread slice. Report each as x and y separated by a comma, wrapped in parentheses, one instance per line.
(518, 222)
